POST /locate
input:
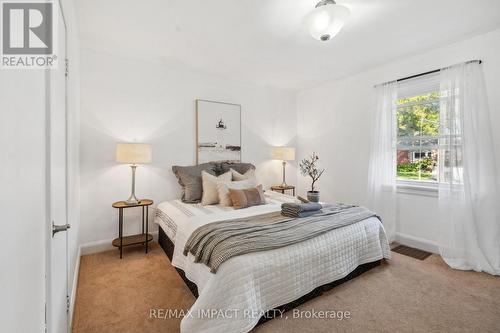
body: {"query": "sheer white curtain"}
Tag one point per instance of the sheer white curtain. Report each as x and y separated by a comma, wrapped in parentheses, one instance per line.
(468, 190)
(382, 167)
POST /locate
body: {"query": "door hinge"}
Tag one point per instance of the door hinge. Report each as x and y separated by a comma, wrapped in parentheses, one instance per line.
(45, 318)
(67, 303)
(66, 72)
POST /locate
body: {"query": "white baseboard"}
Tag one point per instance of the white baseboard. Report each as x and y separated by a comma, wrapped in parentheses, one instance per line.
(104, 245)
(97, 246)
(417, 242)
(75, 286)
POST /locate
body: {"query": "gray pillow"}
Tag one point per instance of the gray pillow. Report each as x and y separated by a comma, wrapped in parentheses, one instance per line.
(240, 167)
(189, 178)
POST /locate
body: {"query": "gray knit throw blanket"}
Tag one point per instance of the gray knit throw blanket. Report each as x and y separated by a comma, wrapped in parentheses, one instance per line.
(214, 243)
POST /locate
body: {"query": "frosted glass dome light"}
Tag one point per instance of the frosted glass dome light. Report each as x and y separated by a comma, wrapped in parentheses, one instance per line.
(326, 20)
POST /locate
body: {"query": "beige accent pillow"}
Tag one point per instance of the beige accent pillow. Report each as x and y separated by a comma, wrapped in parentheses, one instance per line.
(247, 175)
(223, 189)
(209, 182)
(247, 197)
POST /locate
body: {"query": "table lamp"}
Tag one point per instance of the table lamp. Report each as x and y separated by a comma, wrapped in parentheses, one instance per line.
(284, 154)
(133, 154)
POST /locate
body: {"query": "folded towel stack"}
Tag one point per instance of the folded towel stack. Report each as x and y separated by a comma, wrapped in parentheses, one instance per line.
(300, 210)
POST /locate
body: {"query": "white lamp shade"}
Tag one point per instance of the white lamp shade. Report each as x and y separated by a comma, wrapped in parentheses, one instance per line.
(283, 153)
(133, 153)
(324, 22)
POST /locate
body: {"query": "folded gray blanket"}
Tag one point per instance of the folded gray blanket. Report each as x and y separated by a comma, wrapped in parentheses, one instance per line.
(300, 209)
(301, 214)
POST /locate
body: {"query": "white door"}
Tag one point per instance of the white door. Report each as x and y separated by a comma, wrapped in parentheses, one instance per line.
(57, 279)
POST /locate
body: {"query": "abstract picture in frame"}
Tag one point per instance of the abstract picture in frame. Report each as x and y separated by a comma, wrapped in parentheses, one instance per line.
(218, 131)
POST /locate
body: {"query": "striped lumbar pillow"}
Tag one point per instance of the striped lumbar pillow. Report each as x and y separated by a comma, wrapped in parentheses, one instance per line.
(223, 189)
(247, 197)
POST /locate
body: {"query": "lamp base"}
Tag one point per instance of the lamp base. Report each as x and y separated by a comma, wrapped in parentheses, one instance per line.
(283, 183)
(132, 200)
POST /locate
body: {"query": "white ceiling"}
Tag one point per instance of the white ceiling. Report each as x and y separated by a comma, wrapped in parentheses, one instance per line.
(264, 42)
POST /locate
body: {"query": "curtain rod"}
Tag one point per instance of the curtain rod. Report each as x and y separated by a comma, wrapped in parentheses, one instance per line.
(429, 72)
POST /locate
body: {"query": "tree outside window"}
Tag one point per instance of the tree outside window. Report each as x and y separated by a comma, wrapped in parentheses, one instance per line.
(418, 135)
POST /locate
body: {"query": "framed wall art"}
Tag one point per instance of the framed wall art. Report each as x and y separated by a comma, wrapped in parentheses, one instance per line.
(218, 131)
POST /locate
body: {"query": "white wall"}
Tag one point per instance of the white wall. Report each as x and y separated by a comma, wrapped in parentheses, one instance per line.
(126, 99)
(333, 120)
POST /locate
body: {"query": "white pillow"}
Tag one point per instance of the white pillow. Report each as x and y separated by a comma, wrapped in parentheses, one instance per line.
(209, 182)
(247, 175)
(223, 189)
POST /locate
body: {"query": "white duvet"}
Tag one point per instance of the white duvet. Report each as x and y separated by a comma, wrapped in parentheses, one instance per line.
(245, 287)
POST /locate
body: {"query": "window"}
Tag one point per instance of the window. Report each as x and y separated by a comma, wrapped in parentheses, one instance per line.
(418, 155)
(418, 113)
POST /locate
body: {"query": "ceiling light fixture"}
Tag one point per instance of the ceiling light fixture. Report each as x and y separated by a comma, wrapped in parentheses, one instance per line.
(326, 20)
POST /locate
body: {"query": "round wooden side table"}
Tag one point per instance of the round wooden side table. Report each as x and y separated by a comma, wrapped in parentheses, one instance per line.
(282, 189)
(142, 238)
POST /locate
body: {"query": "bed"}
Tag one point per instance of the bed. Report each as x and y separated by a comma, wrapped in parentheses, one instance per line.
(255, 287)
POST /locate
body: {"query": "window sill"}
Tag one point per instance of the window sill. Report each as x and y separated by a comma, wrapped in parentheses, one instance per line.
(417, 188)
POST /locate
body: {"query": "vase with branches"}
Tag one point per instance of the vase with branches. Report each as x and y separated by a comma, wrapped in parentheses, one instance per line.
(309, 167)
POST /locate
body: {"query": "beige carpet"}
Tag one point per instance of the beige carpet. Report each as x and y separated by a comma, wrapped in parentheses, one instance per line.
(403, 295)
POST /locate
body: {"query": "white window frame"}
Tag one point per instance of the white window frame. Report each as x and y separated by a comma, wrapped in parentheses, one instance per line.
(415, 87)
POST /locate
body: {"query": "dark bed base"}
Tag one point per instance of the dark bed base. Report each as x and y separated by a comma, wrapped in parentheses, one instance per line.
(168, 247)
